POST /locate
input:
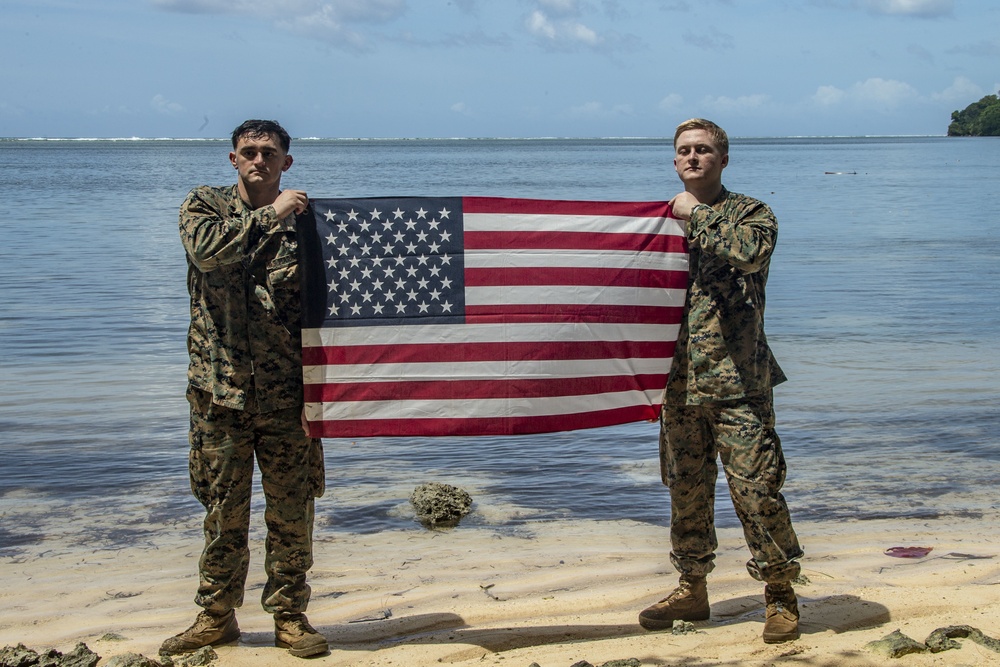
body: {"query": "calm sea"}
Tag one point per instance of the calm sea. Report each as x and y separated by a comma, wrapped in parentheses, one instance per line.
(884, 310)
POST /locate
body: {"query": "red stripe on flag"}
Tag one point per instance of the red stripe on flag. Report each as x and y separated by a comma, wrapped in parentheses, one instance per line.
(591, 241)
(503, 205)
(604, 277)
(527, 313)
(359, 428)
(471, 352)
(515, 389)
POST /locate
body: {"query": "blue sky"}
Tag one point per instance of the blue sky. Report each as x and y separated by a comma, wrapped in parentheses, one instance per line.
(492, 68)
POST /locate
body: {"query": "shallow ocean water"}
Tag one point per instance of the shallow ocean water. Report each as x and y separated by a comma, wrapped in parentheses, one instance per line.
(883, 310)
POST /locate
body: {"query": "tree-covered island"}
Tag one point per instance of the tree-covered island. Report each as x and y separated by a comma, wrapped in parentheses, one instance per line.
(979, 119)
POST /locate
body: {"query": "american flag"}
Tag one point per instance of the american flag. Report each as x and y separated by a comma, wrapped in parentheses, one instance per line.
(486, 316)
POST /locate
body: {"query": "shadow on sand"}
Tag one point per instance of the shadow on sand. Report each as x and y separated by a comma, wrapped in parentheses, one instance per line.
(838, 613)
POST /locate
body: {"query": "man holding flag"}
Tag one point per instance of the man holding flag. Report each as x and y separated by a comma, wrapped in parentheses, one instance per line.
(245, 393)
(718, 400)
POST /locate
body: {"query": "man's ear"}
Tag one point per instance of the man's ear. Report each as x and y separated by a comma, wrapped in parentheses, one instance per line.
(288, 163)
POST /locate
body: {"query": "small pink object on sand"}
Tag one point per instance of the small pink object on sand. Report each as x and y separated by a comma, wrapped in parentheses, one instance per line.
(908, 552)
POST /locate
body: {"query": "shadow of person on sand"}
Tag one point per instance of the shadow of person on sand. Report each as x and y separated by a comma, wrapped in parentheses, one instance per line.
(839, 613)
(448, 628)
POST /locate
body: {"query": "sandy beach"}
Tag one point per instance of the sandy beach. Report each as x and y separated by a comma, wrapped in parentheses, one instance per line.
(884, 319)
(555, 594)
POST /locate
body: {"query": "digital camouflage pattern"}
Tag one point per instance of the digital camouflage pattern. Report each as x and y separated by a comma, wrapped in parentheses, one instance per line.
(243, 277)
(721, 350)
(224, 443)
(742, 434)
(718, 400)
(245, 392)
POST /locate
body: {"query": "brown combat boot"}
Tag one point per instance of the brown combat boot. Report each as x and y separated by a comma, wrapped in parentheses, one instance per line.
(781, 619)
(687, 602)
(208, 630)
(292, 631)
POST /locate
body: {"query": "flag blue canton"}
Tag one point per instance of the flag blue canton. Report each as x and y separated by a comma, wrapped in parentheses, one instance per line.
(392, 260)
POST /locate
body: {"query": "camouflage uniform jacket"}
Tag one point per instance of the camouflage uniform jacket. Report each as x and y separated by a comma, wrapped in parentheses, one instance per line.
(721, 351)
(243, 278)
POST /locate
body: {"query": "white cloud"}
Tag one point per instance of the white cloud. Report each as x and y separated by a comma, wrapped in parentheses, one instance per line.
(368, 10)
(346, 10)
(884, 92)
(828, 96)
(874, 93)
(165, 106)
(671, 102)
(962, 90)
(538, 24)
(326, 20)
(461, 108)
(888, 96)
(583, 34)
(561, 33)
(325, 26)
(920, 8)
(557, 26)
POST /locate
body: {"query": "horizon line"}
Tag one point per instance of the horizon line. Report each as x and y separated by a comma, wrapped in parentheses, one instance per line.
(546, 138)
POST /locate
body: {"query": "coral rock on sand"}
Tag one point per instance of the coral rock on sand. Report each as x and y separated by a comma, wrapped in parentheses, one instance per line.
(131, 660)
(896, 644)
(440, 505)
(203, 656)
(940, 639)
(22, 656)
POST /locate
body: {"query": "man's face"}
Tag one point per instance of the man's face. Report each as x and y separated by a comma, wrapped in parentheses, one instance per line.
(260, 160)
(697, 159)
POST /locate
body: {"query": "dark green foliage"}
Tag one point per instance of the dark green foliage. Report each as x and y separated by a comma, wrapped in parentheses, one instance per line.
(979, 119)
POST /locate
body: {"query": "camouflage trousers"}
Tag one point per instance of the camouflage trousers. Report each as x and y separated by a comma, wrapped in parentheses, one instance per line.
(742, 434)
(224, 444)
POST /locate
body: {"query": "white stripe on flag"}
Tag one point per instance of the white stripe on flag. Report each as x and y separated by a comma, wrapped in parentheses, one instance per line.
(416, 334)
(480, 408)
(572, 294)
(607, 259)
(493, 371)
(528, 222)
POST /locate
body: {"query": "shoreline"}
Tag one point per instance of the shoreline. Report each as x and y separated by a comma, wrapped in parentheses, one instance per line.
(569, 591)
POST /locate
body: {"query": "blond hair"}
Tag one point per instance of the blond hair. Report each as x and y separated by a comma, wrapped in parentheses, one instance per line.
(718, 135)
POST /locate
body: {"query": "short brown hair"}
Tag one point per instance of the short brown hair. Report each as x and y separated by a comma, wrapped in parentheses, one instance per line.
(718, 135)
(262, 128)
